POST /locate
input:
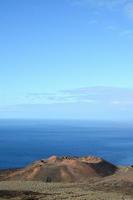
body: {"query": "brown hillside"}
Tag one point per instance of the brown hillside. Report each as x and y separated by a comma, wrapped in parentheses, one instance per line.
(64, 169)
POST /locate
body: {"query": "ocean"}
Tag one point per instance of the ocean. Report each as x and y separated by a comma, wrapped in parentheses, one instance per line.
(24, 141)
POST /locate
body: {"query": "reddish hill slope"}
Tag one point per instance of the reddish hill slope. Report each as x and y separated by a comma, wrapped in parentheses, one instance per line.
(64, 169)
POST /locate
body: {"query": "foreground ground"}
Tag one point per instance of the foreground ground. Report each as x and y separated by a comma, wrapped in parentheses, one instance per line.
(110, 188)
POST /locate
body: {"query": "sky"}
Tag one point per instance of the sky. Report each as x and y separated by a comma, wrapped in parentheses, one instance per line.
(66, 59)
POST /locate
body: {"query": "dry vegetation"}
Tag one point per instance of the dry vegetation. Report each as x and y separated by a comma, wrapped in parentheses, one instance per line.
(59, 191)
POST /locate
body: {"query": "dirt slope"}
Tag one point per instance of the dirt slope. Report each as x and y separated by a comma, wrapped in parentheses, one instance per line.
(64, 169)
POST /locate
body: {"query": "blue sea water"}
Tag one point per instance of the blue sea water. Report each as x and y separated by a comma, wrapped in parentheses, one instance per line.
(23, 141)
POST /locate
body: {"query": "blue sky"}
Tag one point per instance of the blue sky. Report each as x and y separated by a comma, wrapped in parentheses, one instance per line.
(68, 59)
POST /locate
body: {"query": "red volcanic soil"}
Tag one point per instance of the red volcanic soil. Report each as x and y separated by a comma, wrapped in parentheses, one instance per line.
(63, 169)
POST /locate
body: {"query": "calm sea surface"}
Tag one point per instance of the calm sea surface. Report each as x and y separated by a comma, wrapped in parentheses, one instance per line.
(22, 142)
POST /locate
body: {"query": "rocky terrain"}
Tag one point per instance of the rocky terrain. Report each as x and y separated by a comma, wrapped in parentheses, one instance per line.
(64, 169)
(67, 178)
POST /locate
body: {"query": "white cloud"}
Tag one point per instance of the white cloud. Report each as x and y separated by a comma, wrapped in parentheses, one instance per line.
(122, 103)
(112, 28)
(99, 3)
(128, 32)
(91, 95)
(129, 10)
(83, 103)
(93, 21)
(126, 6)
